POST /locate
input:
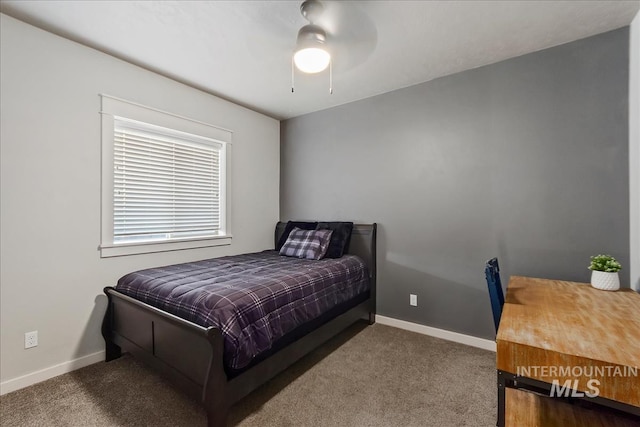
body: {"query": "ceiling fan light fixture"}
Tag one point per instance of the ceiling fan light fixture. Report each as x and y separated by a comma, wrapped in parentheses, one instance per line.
(311, 55)
(312, 60)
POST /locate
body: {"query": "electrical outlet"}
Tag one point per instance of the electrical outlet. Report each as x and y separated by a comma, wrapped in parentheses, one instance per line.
(31, 339)
(413, 300)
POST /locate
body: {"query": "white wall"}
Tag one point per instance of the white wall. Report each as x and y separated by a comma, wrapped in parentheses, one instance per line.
(634, 152)
(51, 271)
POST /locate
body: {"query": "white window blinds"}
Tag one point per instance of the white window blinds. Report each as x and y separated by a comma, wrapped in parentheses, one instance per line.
(166, 184)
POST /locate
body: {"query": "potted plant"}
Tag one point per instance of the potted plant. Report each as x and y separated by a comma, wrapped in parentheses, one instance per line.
(604, 272)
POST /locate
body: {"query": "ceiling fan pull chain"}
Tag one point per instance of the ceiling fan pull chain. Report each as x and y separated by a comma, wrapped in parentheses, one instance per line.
(331, 77)
(292, 75)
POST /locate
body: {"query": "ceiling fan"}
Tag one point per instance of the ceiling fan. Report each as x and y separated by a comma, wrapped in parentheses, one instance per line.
(334, 30)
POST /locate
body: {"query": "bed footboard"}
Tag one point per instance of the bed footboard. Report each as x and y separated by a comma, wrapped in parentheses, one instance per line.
(187, 354)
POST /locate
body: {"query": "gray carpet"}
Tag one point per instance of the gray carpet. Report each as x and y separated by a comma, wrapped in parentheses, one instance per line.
(367, 376)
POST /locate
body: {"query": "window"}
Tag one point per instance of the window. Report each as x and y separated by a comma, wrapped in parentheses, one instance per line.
(165, 185)
(164, 181)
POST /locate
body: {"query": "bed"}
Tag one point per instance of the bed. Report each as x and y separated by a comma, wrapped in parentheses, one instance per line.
(219, 365)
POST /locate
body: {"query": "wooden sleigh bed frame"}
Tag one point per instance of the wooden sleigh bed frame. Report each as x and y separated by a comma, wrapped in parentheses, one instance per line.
(190, 356)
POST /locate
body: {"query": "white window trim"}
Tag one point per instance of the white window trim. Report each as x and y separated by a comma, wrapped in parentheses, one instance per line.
(112, 106)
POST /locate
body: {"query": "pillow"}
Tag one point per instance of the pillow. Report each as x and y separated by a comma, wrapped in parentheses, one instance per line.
(340, 238)
(290, 226)
(309, 244)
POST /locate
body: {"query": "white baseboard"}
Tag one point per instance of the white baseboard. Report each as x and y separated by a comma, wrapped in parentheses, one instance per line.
(47, 373)
(438, 333)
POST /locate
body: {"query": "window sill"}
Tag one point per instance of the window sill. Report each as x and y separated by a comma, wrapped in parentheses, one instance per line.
(108, 251)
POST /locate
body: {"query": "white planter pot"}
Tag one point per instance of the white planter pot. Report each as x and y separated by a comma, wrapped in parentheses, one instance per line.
(605, 281)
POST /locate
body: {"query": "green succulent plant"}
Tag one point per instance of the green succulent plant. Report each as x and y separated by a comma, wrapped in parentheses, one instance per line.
(605, 263)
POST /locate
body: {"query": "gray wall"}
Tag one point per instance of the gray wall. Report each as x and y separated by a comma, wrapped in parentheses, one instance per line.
(526, 159)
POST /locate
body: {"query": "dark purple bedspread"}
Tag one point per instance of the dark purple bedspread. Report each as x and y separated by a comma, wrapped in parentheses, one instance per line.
(254, 299)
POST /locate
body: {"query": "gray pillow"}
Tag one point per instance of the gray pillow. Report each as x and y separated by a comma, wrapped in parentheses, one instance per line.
(305, 225)
(309, 244)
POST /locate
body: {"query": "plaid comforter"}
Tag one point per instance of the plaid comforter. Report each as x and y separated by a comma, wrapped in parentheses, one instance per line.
(254, 299)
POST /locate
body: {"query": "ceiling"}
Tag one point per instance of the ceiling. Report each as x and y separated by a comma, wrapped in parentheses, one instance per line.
(241, 50)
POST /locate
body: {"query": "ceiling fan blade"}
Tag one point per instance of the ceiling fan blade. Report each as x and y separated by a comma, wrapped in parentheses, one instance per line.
(351, 34)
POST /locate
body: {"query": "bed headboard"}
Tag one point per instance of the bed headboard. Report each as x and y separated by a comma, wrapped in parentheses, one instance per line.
(363, 244)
